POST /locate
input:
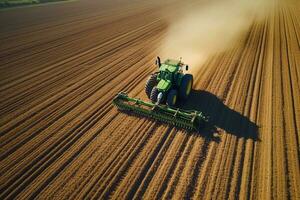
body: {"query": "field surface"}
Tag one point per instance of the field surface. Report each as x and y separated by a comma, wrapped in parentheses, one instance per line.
(61, 137)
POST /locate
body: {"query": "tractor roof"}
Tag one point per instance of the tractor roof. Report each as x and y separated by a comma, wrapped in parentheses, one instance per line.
(172, 62)
(169, 68)
(170, 65)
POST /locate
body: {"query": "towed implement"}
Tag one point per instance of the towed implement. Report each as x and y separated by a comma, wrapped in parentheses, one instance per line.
(191, 120)
(164, 89)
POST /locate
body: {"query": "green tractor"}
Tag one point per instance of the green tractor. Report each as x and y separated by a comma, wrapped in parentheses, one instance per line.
(169, 84)
(164, 88)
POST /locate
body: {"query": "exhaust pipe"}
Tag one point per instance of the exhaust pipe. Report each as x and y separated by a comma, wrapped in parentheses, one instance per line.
(157, 62)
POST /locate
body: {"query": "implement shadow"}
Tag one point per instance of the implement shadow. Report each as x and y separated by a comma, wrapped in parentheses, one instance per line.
(220, 116)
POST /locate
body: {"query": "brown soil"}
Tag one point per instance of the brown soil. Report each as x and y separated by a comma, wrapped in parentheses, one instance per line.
(61, 137)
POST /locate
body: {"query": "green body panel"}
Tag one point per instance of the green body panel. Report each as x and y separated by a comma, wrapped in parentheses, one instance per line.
(164, 85)
(192, 120)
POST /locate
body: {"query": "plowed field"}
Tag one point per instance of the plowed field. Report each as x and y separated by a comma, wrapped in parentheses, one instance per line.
(61, 137)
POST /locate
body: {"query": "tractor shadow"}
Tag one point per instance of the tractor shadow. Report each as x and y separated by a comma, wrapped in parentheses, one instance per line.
(220, 117)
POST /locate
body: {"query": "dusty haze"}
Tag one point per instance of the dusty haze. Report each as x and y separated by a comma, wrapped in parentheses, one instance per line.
(205, 28)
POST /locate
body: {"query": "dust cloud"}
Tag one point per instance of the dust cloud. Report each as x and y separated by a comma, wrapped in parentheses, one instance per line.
(209, 27)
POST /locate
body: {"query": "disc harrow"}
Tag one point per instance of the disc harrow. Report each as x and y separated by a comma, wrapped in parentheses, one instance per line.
(186, 119)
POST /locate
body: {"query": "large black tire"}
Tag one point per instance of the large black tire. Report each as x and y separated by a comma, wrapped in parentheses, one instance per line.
(151, 82)
(172, 98)
(186, 86)
(154, 94)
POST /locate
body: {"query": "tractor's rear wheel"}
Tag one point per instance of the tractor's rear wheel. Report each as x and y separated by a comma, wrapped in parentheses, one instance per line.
(151, 82)
(186, 86)
(172, 98)
(154, 94)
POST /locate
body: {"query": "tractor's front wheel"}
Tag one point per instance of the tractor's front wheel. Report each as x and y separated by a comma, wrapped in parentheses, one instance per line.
(172, 98)
(154, 94)
(186, 86)
(151, 82)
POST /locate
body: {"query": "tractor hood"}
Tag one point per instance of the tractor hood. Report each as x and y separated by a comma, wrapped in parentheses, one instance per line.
(163, 85)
